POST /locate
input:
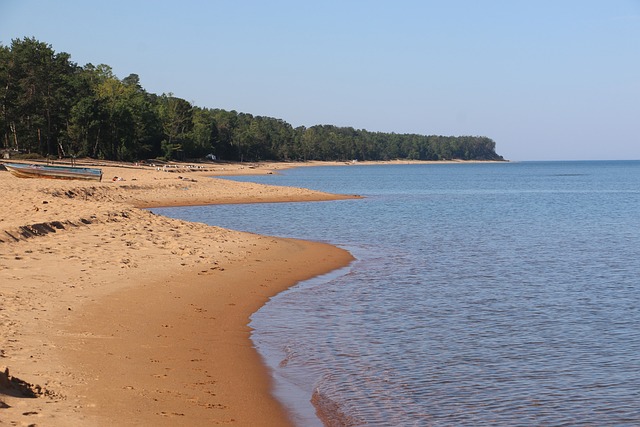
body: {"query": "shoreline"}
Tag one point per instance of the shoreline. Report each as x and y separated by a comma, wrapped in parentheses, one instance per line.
(83, 267)
(221, 378)
(93, 298)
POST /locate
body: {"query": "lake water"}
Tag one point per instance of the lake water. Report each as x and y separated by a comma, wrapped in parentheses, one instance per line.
(482, 294)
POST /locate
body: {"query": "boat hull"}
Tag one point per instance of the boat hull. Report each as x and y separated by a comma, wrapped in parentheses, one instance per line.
(54, 172)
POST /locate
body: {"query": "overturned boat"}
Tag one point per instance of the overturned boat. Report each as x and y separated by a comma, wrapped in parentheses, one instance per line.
(57, 172)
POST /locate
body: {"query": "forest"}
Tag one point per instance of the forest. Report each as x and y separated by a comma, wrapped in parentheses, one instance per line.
(54, 108)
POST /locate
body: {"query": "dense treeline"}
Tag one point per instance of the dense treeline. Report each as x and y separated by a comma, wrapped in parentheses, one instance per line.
(53, 107)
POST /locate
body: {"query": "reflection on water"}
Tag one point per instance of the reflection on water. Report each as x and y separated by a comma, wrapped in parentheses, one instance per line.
(482, 295)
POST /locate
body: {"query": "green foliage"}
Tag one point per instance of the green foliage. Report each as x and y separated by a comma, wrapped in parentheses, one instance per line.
(52, 107)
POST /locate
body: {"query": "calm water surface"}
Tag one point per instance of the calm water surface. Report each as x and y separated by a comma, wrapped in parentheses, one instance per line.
(483, 294)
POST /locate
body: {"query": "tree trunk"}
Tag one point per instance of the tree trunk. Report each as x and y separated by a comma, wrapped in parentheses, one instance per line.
(95, 147)
(12, 126)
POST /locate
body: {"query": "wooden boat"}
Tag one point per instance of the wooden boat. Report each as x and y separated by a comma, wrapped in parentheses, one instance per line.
(58, 172)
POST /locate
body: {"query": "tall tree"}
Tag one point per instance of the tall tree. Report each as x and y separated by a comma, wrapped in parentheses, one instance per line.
(38, 95)
(119, 129)
(5, 108)
(176, 117)
(204, 133)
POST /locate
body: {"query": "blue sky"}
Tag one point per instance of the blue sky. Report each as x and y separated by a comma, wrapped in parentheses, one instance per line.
(547, 80)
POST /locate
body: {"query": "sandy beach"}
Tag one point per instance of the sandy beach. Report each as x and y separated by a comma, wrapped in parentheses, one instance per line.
(111, 315)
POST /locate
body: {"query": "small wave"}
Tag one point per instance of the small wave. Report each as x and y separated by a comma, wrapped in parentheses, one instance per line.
(289, 354)
(330, 412)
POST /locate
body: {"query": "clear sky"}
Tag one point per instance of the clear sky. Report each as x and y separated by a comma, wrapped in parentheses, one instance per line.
(546, 79)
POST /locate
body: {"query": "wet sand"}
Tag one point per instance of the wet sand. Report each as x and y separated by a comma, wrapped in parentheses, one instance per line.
(111, 315)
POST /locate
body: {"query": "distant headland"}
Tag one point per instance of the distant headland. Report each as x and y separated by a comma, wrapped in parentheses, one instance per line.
(55, 108)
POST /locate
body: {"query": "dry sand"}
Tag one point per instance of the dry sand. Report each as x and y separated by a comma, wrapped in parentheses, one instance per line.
(111, 315)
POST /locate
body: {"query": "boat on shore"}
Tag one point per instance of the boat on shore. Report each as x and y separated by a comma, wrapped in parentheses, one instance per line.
(57, 172)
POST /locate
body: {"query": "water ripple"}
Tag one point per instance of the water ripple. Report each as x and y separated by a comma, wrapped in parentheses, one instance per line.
(483, 295)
